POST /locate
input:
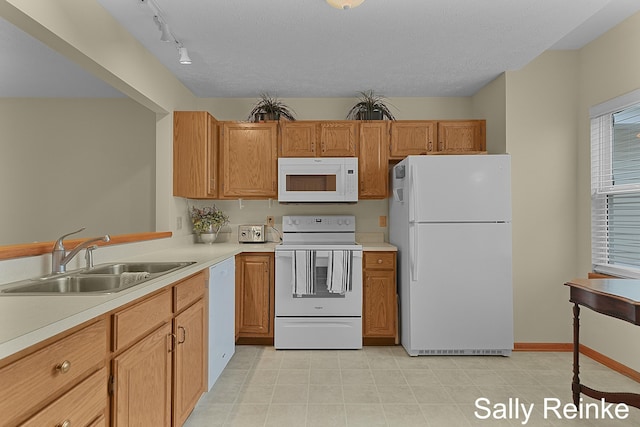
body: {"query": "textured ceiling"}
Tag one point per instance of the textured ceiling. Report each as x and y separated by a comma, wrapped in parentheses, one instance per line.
(305, 48)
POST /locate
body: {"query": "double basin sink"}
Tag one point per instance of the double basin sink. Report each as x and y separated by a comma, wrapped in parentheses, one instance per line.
(101, 279)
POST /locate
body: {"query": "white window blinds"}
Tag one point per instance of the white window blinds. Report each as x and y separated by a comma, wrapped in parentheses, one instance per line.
(615, 186)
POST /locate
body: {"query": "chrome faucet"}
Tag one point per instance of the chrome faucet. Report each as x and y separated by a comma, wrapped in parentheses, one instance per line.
(60, 257)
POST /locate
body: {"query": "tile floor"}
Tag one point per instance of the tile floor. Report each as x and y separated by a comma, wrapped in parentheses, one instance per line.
(383, 386)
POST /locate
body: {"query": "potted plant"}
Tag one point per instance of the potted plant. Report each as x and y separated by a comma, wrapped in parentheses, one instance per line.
(207, 222)
(270, 108)
(370, 106)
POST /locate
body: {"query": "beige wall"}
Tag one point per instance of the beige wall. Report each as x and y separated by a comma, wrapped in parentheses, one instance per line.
(541, 137)
(607, 70)
(71, 163)
(337, 108)
(489, 103)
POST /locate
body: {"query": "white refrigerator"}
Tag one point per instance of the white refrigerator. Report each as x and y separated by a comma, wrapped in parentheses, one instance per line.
(450, 217)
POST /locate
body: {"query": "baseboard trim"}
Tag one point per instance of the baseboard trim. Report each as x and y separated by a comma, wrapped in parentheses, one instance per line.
(589, 352)
(542, 346)
(610, 363)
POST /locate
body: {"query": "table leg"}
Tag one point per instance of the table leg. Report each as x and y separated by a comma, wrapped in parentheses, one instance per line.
(575, 385)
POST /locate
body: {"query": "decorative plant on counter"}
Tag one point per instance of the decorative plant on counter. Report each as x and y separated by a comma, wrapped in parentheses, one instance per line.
(207, 222)
(270, 108)
(370, 106)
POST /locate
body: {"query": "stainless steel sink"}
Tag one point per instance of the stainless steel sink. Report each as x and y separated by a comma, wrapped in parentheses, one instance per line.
(137, 267)
(102, 279)
(72, 284)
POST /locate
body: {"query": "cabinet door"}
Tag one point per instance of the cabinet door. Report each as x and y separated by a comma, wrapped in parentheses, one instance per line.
(298, 139)
(195, 154)
(142, 382)
(190, 361)
(254, 278)
(461, 136)
(379, 311)
(412, 137)
(338, 139)
(249, 160)
(373, 160)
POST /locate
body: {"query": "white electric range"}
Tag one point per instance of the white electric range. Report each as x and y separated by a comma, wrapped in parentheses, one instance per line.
(318, 284)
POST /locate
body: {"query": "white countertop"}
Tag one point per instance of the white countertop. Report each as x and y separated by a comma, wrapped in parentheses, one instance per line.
(27, 320)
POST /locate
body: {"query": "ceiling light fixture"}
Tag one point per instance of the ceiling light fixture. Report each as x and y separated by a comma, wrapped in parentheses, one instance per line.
(184, 55)
(345, 4)
(166, 34)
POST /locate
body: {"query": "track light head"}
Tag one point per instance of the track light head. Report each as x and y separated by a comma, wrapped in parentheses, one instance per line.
(184, 55)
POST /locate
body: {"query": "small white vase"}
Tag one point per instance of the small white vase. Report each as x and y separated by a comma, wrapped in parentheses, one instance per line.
(208, 238)
(210, 235)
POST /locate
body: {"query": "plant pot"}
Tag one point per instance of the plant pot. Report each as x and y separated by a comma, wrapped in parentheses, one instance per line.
(262, 117)
(210, 235)
(370, 115)
(208, 238)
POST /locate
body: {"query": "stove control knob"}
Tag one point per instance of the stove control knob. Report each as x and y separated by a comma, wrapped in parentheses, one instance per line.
(296, 222)
(347, 222)
(340, 222)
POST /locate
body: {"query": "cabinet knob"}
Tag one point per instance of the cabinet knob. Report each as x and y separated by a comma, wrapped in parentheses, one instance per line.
(64, 367)
(65, 423)
(379, 260)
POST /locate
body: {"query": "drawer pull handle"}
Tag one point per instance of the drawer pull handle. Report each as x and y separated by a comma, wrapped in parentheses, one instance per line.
(64, 367)
(65, 423)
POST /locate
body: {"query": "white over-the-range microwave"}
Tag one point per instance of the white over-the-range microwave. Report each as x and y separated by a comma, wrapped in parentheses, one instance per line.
(318, 180)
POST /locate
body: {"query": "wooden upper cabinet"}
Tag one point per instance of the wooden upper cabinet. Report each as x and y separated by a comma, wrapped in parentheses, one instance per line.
(249, 160)
(195, 155)
(460, 136)
(338, 139)
(298, 139)
(373, 160)
(412, 138)
(318, 138)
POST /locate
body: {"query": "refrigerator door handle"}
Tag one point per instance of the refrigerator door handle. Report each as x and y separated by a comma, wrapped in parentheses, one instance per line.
(413, 250)
(412, 194)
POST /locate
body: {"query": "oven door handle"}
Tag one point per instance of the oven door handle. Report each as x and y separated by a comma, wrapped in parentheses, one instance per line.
(284, 254)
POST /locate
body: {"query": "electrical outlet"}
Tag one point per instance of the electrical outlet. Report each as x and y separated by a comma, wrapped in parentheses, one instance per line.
(270, 221)
(382, 221)
(179, 223)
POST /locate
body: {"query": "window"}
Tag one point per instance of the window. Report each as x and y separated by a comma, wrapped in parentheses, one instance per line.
(615, 186)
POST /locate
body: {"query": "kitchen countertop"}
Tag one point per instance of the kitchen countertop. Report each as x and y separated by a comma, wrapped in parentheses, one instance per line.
(27, 320)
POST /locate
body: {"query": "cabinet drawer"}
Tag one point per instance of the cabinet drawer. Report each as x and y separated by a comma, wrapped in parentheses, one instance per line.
(30, 380)
(188, 291)
(379, 260)
(80, 406)
(136, 321)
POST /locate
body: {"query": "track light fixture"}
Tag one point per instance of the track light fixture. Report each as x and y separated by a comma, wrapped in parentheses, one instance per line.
(165, 32)
(184, 55)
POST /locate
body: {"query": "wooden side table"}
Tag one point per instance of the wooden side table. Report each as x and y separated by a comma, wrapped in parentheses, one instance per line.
(619, 298)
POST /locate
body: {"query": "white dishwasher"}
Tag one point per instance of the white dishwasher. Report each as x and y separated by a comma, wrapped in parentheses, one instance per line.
(222, 297)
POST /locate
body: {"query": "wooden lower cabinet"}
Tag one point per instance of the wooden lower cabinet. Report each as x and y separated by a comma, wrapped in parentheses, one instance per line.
(158, 379)
(142, 382)
(380, 306)
(152, 374)
(255, 297)
(44, 383)
(190, 363)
